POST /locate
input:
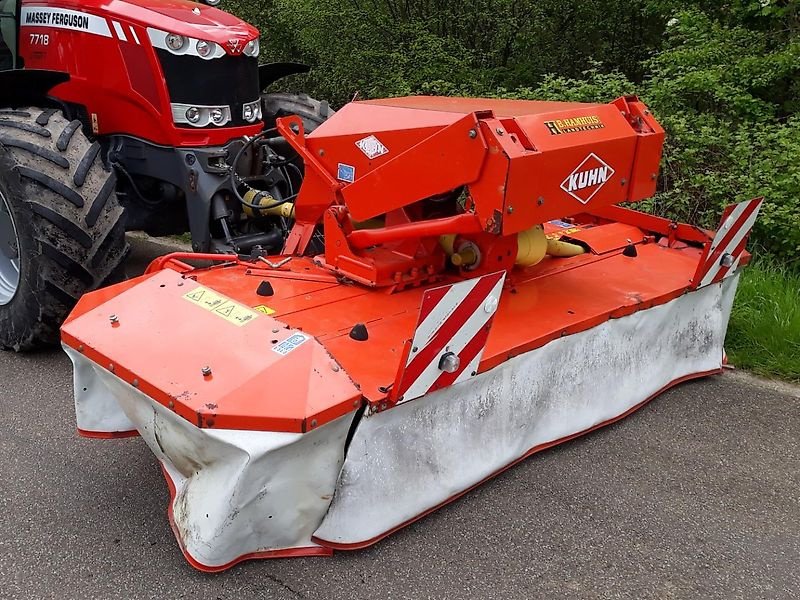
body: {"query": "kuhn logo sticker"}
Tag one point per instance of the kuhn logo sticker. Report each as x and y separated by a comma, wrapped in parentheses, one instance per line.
(372, 147)
(588, 178)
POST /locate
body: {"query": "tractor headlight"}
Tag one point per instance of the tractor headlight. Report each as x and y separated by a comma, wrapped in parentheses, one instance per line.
(248, 112)
(181, 45)
(175, 42)
(251, 112)
(217, 116)
(200, 116)
(193, 114)
(205, 49)
(252, 48)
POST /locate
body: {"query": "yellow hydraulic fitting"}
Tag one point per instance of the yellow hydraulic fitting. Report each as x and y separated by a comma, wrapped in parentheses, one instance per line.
(267, 205)
(531, 246)
(564, 249)
(466, 257)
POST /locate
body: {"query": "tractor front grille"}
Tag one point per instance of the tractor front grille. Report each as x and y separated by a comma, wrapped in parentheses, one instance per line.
(227, 81)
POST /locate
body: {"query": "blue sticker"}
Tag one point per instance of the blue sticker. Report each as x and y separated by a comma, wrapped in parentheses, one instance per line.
(346, 173)
(561, 224)
(290, 343)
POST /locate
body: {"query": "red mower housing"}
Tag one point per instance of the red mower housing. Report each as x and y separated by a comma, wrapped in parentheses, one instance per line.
(480, 297)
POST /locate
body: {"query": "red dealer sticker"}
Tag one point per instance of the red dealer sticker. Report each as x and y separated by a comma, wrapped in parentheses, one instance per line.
(587, 178)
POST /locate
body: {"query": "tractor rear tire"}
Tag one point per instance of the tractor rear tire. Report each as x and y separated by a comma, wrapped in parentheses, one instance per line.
(61, 225)
(313, 112)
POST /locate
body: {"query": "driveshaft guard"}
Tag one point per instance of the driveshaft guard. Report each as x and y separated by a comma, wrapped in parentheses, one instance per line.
(214, 361)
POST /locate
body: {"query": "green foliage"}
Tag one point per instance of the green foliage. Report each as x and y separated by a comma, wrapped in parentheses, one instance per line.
(727, 96)
(764, 331)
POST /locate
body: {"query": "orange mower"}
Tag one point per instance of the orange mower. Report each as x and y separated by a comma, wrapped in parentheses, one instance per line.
(458, 290)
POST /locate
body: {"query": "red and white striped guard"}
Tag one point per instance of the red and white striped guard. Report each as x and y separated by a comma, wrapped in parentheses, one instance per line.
(721, 257)
(451, 333)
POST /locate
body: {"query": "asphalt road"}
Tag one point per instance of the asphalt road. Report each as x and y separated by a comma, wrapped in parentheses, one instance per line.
(697, 495)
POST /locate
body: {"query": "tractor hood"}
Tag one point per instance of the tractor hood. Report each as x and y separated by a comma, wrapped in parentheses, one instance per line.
(183, 17)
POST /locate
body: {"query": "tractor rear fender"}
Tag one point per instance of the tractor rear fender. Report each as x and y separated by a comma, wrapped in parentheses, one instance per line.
(269, 73)
(25, 87)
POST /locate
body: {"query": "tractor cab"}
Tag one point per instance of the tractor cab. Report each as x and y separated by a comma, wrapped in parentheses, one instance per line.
(9, 32)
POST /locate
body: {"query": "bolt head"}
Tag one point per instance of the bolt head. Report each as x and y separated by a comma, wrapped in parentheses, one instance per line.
(449, 363)
(473, 134)
(206, 371)
(726, 260)
(113, 318)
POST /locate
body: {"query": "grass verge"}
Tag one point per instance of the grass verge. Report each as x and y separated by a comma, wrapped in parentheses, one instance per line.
(764, 332)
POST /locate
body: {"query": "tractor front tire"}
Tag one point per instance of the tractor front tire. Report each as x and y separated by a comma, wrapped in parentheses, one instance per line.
(313, 112)
(61, 226)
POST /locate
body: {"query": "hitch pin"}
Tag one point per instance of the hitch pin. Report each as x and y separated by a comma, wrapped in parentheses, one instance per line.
(276, 265)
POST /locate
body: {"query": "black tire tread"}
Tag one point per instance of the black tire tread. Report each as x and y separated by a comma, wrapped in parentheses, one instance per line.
(85, 164)
(282, 104)
(6, 112)
(74, 237)
(65, 137)
(25, 127)
(44, 117)
(50, 182)
(53, 157)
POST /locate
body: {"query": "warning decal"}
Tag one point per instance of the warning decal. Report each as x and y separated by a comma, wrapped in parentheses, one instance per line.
(231, 311)
(264, 309)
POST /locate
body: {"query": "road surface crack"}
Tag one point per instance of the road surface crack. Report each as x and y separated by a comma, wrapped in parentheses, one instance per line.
(277, 580)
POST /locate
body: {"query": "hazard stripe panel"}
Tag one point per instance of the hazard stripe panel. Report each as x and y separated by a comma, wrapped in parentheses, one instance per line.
(721, 257)
(450, 336)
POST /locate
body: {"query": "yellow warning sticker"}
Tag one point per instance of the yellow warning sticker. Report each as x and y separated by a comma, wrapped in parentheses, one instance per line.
(557, 234)
(264, 309)
(228, 309)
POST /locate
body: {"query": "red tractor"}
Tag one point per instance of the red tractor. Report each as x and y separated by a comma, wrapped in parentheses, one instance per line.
(131, 115)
